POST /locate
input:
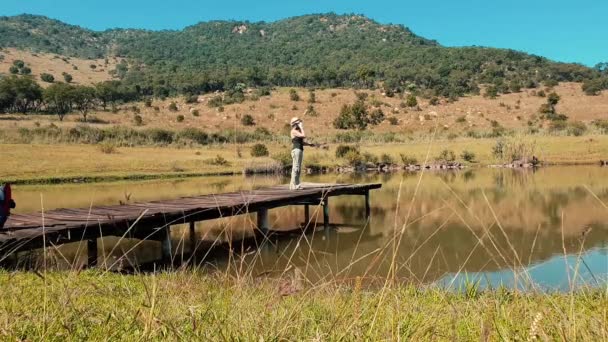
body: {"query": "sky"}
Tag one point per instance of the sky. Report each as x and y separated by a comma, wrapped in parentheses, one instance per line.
(562, 30)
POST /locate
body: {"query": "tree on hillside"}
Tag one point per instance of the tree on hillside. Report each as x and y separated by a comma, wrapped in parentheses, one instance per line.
(553, 100)
(47, 77)
(107, 92)
(67, 77)
(84, 99)
(59, 99)
(19, 94)
(411, 101)
(353, 116)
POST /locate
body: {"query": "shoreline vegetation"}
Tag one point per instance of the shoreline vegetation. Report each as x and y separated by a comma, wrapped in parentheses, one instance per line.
(189, 304)
(49, 163)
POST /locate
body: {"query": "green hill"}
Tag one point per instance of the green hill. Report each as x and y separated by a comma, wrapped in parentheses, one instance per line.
(324, 50)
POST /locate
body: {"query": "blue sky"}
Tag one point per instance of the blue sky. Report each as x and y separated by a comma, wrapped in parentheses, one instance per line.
(564, 30)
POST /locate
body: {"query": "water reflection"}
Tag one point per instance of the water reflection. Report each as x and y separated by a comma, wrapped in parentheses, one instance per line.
(439, 228)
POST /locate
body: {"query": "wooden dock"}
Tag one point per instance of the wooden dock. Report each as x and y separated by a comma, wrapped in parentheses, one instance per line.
(153, 220)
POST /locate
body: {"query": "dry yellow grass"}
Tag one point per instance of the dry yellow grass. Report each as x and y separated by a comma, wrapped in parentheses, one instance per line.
(49, 161)
(274, 112)
(55, 65)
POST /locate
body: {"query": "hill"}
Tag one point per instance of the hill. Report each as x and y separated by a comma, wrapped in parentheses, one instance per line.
(324, 50)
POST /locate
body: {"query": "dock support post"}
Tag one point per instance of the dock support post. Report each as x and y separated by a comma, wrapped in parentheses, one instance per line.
(326, 213)
(306, 216)
(368, 208)
(263, 224)
(166, 244)
(92, 252)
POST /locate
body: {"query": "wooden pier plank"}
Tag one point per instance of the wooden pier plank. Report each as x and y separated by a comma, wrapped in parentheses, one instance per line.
(104, 219)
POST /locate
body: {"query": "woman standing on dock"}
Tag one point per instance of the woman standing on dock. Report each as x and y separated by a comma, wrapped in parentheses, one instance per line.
(297, 151)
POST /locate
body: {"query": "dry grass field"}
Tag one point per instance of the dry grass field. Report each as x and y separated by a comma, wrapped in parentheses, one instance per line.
(80, 69)
(273, 112)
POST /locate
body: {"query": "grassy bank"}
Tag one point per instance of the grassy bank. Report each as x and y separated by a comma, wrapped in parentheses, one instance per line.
(49, 163)
(187, 305)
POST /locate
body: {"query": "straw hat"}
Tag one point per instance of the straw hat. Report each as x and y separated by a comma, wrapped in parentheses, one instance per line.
(294, 120)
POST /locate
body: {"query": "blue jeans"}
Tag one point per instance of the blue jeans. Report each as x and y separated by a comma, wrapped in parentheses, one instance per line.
(2, 220)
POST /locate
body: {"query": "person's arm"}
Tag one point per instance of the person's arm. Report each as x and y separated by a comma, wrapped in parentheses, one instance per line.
(297, 134)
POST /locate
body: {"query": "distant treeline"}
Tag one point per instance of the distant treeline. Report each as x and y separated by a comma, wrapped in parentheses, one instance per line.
(308, 51)
(22, 94)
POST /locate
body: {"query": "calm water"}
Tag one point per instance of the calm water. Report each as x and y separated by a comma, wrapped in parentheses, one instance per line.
(511, 227)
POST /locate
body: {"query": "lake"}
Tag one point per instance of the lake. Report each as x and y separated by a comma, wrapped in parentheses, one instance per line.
(542, 228)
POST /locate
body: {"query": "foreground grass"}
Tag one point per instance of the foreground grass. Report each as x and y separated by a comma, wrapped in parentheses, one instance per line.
(23, 163)
(187, 305)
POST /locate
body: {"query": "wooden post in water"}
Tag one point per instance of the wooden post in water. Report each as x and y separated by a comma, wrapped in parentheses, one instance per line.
(326, 213)
(92, 252)
(368, 208)
(165, 242)
(263, 224)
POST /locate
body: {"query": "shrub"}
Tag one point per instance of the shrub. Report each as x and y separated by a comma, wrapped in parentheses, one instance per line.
(376, 116)
(602, 125)
(217, 161)
(247, 120)
(434, 101)
(263, 132)
(407, 160)
(446, 156)
(491, 92)
(263, 91)
(577, 128)
(293, 95)
(310, 111)
(353, 157)
(216, 101)
(386, 159)
(513, 149)
(411, 101)
(342, 150)
(67, 77)
(461, 119)
(137, 120)
(180, 118)
(13, 70)
(259, 150)
(191, 99)
(173, 107)
(361, 96)
(148, 102)
(18, 63)
(284, 158)
(48, 78)
(393, 121)
(369, 158)
(160, 136)
(107, 148)
(468, 156)
(194, 134)
(353, 116)
(312, 98)
(541, 93)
